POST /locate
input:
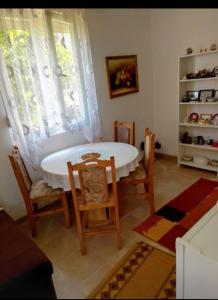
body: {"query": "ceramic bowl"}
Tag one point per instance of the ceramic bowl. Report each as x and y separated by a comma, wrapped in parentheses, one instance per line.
(200, 160)
(187, 158)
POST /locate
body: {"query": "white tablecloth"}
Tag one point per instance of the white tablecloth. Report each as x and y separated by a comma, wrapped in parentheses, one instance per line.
(54, 166)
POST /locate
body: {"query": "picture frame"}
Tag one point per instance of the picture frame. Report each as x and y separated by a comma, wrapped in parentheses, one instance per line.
(122, 74)
(214, 98)
(215, 93)
(193, 95)
(206, 117)
(204, 94)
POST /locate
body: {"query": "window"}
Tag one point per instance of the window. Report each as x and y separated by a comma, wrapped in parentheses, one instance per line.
(46, 75)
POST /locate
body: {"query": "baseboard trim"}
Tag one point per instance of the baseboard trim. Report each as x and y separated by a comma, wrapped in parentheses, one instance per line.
(166, 156)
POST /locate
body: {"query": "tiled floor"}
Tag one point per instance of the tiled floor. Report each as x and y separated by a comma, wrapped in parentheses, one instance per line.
(75, 275)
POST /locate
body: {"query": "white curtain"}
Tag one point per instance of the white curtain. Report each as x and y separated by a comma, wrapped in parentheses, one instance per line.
(46, 76)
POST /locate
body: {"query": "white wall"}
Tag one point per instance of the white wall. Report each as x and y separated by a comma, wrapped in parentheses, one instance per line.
(61, 141)
(122, 32)
(10, 197)
(172, 32)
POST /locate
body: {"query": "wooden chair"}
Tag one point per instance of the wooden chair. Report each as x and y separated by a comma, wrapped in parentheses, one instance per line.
(124, 132)
(143, 174)
(38, 192)
(94, 193)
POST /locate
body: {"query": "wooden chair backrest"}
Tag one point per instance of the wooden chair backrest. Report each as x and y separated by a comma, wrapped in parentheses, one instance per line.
(23, 179)
(93, 181)
(149, 151)
(124, 132)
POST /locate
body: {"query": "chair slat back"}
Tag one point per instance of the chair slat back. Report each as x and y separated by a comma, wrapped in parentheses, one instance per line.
(149, 151)
(20, 170)
(124, 132)
(92, 178)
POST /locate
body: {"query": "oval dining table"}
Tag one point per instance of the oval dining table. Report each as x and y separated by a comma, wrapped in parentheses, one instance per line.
(55, 172)
(54, 166)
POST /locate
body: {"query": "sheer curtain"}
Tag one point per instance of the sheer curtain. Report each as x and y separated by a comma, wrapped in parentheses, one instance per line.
(46, 76)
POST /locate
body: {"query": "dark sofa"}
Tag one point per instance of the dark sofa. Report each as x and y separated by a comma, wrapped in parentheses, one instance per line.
(25, 271)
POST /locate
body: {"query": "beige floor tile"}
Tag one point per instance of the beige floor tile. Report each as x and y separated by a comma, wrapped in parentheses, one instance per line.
(78, 266)
(63, 245)
(94, 279)
(105, 246)
(128, 244)
(127, 225)
(65, 287)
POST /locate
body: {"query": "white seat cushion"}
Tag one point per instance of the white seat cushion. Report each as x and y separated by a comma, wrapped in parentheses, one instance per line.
(139, 173)
(40, 189)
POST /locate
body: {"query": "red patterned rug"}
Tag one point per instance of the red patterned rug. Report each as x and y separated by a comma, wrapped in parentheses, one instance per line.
(180, 214)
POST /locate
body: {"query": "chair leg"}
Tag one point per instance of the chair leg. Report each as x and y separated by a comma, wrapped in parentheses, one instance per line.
(117, 224)
(66, 211)
(111, 214)
(80, 233)
(32, 223)
(84, 219)
(151, 202)
(119, 198)
(149, 186)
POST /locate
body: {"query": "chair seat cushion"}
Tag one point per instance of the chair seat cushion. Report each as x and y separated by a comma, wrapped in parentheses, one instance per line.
(139, 173)
(41, 189)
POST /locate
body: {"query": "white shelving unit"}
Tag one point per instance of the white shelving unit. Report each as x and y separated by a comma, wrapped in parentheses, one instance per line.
(187, 64)
(197, 259)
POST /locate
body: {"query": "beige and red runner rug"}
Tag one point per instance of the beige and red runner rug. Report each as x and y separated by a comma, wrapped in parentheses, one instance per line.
(144, 273)
(180, 214)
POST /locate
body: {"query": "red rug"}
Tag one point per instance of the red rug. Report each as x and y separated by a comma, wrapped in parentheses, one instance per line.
(180, 214)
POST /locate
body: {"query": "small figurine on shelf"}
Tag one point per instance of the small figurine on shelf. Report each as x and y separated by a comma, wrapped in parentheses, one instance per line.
(198, 140)
(185, 98)
(186, 138)
(215, 71)
(205, 49)
(213, 47)
(208, 140)
(201, 50)
(210, 73)
(186, 119)
(202, 73)
(190, 75)
(189, 51)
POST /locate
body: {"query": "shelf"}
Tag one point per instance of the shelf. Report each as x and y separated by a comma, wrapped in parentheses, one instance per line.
(198, 103)
(187, 63)
(197, 125)
(199, 53)
(199, 79)
(204, 147)
(191, 164)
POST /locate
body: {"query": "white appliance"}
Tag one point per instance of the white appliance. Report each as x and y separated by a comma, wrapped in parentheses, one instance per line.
(197, 259)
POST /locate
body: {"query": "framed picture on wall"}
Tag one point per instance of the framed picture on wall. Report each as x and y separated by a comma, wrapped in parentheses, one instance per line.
(122, 75)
